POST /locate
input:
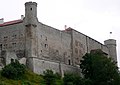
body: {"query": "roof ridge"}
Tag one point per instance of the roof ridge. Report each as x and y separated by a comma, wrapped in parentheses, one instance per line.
(11, 22)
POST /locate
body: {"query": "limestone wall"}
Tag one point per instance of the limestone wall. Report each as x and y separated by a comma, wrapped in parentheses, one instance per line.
(82, 44)
(53, 44)
(12, 38)
(41, 65)
(79, 45)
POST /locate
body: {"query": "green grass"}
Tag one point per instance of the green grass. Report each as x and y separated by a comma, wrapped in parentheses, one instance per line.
(29, 78)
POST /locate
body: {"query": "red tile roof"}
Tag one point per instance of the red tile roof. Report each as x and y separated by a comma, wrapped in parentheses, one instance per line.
(11, 22)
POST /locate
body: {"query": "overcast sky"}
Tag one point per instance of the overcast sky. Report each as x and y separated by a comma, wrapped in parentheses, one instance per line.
(95, 18)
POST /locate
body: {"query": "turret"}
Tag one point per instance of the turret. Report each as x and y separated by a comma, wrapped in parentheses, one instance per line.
(30, 13)
(30, 22)
(111, 44)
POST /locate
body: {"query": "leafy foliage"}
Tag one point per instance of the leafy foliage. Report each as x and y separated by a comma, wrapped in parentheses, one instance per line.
(29, 78)
(14, 70)
(72, 79)
(100, 69)
(49, 77)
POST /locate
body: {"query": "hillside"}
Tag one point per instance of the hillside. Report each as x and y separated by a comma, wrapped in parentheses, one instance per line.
(30, 78)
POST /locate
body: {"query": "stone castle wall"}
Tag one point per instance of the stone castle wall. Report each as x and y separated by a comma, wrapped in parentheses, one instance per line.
(53, 44)
(41, 65)
(12, 38)
(45, 47)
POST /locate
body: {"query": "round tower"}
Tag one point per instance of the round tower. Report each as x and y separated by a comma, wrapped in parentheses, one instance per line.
(111, 44)
(30, 13)
(30, 23)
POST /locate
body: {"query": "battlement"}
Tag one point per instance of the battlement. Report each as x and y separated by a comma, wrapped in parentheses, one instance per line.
(110, 42)
(31, 3)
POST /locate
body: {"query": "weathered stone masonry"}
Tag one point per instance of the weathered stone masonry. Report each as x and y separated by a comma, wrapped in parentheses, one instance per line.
(42, 47)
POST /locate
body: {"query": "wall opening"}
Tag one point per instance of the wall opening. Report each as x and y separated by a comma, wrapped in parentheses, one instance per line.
(69, 63)
(46, 45)
(0, 46)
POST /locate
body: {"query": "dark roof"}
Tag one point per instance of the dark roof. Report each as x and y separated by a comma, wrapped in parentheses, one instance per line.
(11, 22)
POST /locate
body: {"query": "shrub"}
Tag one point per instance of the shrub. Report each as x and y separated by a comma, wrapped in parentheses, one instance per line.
(26, 83)
(72, 79)
(2, 83)
(57, 76)
(14, 70)
(49, 77)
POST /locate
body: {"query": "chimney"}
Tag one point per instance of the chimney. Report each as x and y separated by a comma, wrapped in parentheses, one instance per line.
(1, 20)
(22, 17)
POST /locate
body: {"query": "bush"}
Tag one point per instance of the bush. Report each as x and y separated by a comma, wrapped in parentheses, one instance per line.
(14, 70)
(49, 77)
(2, 83)
(26, 83)
(72, 79)
(57, 76)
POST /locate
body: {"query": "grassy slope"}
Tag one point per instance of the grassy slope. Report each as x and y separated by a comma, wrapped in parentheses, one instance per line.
(30, 78)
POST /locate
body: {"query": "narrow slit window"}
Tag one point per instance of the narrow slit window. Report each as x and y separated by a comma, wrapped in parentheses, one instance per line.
(69, 62)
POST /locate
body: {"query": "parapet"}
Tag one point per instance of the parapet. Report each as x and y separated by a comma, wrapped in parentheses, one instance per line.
(111, 45)
(110, 42)
(31, 3)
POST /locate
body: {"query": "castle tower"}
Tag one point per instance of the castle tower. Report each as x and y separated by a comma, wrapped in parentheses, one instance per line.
(111, 44)
(30, 13)
(30, 23)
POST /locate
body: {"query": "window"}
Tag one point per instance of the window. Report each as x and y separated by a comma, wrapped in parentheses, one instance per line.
(5, 38)
(5, 46)
(21, 35)
(14, 36)
(46, 45)
(0, 46)
(30, 8)
(69, 62)
(14, 44)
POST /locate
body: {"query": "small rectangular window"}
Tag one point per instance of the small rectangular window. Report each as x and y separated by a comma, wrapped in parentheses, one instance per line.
(14, 44)
(14, 36)
(46, 45)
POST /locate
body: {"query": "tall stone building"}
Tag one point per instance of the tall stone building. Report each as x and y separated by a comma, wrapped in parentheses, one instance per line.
(43, 47)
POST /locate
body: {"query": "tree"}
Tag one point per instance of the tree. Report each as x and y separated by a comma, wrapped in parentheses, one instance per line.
(72, 79)
(49, 77)
(14, 70)
(100, 69)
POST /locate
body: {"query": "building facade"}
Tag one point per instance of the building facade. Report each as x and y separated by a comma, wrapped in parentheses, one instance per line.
(43, 47)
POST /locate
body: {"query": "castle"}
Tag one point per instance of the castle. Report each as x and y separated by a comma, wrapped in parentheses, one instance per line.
(41, 47)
